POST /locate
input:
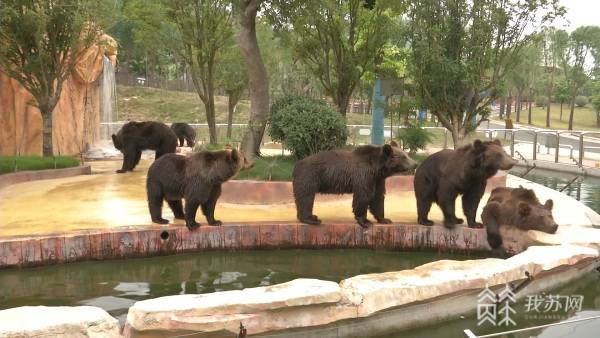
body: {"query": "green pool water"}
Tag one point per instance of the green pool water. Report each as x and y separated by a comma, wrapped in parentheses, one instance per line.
(116, 285)
(588, 287)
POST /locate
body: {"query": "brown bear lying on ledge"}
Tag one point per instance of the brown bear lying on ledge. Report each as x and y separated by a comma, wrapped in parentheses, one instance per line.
(516, 207)
(196, 178)
(361, 172)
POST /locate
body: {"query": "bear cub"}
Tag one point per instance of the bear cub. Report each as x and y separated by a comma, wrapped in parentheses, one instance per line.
(448, 173)
(134, 137)
(361, 172)
(196, 178)
(184, 132)
(518, 207)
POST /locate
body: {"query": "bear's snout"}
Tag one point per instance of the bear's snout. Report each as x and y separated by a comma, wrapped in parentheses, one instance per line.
(507, 163)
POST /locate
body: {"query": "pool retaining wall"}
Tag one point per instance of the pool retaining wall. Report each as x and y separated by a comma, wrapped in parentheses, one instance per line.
(35, 175)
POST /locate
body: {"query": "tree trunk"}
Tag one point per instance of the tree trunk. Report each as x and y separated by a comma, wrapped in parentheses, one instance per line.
(231, 105)
(548, 114)
(572, 113)
(529, 104)
(257, 76)
(598, 118)
(342, 101)
(502, 107)
(369, 103)
(508, 106)
(518, 107)
(47, 134)
(209, 106)
(561, 110)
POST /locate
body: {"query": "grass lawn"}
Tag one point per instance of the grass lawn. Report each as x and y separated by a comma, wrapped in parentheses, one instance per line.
(7, 163)
(583, 119)
(143, 103)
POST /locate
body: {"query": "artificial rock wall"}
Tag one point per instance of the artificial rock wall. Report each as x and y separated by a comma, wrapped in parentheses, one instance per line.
(76, 117)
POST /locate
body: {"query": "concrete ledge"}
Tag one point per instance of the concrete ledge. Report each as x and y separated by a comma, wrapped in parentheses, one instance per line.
(35, 175)
(134, 242)
(60, 321)
(272, 192)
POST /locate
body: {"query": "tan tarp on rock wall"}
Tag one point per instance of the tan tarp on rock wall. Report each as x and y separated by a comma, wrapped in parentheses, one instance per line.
(75, 119)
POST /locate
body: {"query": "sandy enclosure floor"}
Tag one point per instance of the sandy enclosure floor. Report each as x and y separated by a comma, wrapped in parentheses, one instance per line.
(107, 200)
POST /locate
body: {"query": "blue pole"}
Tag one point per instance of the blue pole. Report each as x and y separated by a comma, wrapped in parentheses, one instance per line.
(378, 105)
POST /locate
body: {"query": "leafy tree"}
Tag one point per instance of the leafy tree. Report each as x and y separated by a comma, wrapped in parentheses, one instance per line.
(461, 51)
(554, 45)
(338, 40)
(584, 43)
(258, 78)
(233, 79)
(39, 42)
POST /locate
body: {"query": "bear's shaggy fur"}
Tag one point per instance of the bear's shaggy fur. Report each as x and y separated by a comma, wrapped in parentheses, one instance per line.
(518, 207)
(196, 178)
(137, 136)
(446, 174)
(361, 172)
(184, 132)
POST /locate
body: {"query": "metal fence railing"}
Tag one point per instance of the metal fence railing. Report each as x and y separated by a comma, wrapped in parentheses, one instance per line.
(559, 146)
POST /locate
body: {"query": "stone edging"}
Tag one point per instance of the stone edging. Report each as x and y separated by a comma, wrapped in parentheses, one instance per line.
(131, 242)
(35, 175)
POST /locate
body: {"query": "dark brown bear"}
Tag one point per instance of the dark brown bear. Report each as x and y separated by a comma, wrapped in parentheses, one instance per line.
(361, 172)
(516, 207)
(137, 136)
(464, 171)
(184, 132)
(196, 178)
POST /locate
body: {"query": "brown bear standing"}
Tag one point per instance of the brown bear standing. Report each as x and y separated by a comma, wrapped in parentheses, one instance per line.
(464, 171)
(134, 137)
(184, 132)
(361, 172)
(196, 178)
(517, 207)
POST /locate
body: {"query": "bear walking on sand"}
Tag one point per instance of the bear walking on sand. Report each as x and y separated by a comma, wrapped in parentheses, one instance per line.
(361, 172)
(196, 178)
(134, 137)
(516, 207)
(184, 132)
(448, 173)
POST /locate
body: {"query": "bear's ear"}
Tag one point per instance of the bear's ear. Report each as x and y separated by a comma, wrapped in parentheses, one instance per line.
(549, 204)
(497, 142)
(394, 144)
(524, 209)
(114, 137)
(478, 145)
(387, 150)
(234, 155)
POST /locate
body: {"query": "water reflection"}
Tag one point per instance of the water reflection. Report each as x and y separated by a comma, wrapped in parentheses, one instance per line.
(585, 189)
(115, 285)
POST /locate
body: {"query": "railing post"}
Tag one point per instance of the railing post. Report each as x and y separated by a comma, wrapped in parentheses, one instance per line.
(557, 147)
(512, 143)
(581, 150)
(535, 136)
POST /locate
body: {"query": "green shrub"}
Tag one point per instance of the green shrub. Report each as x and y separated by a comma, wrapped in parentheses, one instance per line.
(541, 101)
(581, 101)
(414, 137)
(306, 126)
(10, 164)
